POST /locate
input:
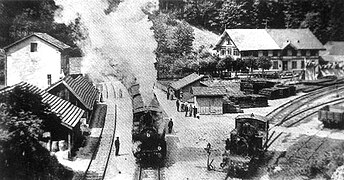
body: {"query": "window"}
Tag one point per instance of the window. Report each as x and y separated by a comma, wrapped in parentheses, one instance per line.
(265, 53)
(275, 65)
(308, 53)
(33, 47)
(229, 51)
(222, 52)
(49, 79)
(302, 64)
(270, 53)
(235, 52)
(290, 53)
(303, 52)
(260, 53)
(294, 52)
(293, 64)
(298, 52)
(314, 53)
(275, 53)
(229, 41)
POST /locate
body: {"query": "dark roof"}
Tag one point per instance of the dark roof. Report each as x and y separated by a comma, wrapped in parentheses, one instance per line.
(255, 116)
(266, 39)
(299, 38)
(45, 37)
(75, 65)
(208, 91)
(81, 88)
(69, 114)
(334, 48)
(186, 81)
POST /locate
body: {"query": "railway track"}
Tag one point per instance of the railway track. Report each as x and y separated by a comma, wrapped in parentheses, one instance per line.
(97, 168)
(149, 174)
(294, 105)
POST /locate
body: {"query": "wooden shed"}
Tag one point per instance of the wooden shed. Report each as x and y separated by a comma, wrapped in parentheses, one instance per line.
(185, 84)
(332, 116)
(208, 100)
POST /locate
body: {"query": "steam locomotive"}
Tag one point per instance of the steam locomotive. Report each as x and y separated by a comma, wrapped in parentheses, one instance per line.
(149, 127)
(247, 144)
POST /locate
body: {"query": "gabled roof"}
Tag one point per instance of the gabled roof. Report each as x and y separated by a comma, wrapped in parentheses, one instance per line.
(186, 81)
(270, 39)
(300, 38)
(75, 65)
(81, 88)
(45, 37)
(250, 39)
(208, 91)
(334, 48)
(69, 114)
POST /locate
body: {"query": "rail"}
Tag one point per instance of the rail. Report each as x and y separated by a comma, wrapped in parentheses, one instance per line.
(149, 173)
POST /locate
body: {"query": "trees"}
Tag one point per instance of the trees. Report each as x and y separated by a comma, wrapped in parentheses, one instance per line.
(264, 62)
(22, 122)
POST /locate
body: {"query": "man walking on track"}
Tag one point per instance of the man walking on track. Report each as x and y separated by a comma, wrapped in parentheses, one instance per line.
(170, 126)
(117, 146)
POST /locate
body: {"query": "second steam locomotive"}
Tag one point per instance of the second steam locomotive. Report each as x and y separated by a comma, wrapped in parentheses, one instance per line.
(148, 133)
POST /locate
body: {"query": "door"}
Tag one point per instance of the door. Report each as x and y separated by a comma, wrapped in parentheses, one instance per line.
(284, 65)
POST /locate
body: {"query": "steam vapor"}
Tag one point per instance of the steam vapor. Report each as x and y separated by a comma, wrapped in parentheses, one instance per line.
(119, 43)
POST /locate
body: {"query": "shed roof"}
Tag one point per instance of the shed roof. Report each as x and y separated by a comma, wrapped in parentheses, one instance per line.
(299, 38)
(208, 91)
(45, 37)
(69, 114)
(252, 116)
(186, 81)
(81, 88)
(75, 65)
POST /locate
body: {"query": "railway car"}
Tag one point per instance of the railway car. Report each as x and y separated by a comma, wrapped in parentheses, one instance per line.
(247, 144)
(149, 127)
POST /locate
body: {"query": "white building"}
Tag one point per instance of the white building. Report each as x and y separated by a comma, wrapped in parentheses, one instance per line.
(37, 59)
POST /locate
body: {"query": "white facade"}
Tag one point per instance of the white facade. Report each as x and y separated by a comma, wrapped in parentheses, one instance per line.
(40, 68)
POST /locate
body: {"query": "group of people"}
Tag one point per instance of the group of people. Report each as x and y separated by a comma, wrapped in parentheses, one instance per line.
(189, 109)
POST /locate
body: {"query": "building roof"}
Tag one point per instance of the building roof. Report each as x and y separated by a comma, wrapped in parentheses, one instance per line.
(299, 38)
(333, 58)
(250, 39)
(208, 91)
(75, 65)
(45, 37)
(81, 88)
(270, 39)
(186, 81)
(69, 114)
(334, 48)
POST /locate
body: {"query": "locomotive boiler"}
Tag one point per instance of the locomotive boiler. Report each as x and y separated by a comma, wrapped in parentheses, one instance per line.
(148, 133)
(247, 144)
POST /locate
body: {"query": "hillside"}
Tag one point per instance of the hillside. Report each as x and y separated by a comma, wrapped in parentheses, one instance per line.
(204, 37)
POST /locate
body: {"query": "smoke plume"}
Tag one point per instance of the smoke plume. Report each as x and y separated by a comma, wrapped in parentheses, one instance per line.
(118, 40)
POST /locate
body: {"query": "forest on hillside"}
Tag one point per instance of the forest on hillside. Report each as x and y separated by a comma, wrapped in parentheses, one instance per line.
(325, 18)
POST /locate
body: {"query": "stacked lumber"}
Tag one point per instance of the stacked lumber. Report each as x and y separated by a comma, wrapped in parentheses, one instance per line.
(278, 92)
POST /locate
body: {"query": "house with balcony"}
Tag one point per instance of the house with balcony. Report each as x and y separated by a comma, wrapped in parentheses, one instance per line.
(38, 59)
(289, 49)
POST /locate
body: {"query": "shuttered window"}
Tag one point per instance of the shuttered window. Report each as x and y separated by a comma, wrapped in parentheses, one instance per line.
(33, 47)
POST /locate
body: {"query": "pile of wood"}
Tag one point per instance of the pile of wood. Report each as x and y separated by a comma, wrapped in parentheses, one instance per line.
(277, 92)
(250, 100)
(253, 86)
(231, 107)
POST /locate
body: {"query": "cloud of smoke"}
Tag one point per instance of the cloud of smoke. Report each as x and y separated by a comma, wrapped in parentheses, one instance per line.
(119, 43)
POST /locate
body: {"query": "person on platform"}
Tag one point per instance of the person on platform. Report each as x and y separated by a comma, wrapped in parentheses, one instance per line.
(117, 146)
(170, 126)
(228, 143)
(195, 111)
(168, 94)
(190, 110)
(177, 104)
(186, 106)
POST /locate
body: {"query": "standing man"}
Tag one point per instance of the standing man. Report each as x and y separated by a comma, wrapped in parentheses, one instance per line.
(195, 111)
(117, 145)
(177, 104)
(170, 126)
(168, 94)
(186, 109)
(190, 110)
